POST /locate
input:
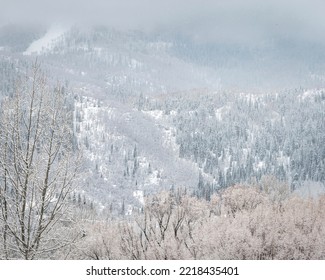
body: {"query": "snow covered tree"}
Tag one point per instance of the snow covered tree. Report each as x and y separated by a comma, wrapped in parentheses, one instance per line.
(38, 168)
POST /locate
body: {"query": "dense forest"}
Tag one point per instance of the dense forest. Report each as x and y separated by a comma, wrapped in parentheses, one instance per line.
(235, 137)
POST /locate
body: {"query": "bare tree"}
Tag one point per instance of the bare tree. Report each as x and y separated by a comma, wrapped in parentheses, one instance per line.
(169, 228)
(38, 168)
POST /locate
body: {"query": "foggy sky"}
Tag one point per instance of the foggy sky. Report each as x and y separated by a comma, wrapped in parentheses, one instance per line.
(227, 21)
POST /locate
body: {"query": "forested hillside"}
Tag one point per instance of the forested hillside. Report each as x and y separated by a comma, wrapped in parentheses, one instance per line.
(129, 145)
(239, 136)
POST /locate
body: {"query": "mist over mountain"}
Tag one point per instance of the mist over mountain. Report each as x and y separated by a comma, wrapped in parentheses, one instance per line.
(189, 97)
(273, 61)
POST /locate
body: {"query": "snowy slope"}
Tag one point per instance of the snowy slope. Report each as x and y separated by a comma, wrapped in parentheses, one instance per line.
(128, 153)
(46, 43)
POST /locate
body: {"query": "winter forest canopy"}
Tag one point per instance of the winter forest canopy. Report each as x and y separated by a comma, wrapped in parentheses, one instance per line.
(189, 138)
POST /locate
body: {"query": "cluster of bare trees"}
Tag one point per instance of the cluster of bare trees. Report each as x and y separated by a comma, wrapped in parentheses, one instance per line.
(265, 221)
(38, 168)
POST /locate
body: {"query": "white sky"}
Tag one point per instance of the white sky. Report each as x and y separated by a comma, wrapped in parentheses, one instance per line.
(233, 21)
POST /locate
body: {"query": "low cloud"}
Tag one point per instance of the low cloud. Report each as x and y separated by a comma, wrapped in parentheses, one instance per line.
(226, 21)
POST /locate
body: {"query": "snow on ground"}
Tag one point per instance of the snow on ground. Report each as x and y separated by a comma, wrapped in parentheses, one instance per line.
(222, 111)
(138, 194)
(307, 94)
(156, 114)
(169, 134)
(153, 179)
(311, 93)
(47, 42)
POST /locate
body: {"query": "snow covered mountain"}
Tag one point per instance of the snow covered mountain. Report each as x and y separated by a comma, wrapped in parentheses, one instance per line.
(149, 116)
